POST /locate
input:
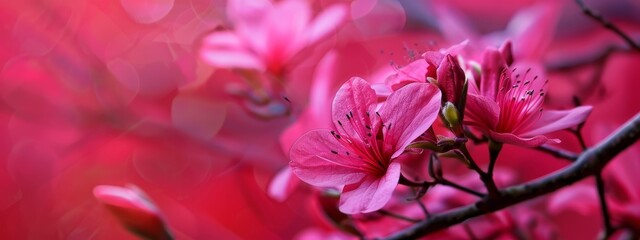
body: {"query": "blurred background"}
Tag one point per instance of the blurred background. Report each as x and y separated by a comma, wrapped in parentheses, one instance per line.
(115, 92)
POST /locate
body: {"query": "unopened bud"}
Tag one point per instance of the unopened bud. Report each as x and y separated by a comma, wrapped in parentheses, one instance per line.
(450, 114)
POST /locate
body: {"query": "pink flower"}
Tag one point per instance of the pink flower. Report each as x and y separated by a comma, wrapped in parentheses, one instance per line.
(359, 152)
(134, 210)
(506, 103)
(267, 35)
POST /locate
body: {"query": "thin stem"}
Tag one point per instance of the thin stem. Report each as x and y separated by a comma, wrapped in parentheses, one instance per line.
(423, 207)
(398, 216)
(606, 217)
(492, 189)
(557, 152)
(475, 139)
(494, 151)
(607, 24)
(460, 187)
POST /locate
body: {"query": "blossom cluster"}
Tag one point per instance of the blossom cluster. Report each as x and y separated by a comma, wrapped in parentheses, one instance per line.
(313, 119)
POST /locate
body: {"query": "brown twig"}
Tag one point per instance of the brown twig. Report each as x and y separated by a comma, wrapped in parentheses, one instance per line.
(589, 163)
(607, 24)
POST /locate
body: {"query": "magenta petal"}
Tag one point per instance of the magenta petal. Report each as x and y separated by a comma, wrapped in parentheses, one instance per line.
(533, 29)
(285, 26)
(319, 159)
(371, 194)
(453, 24)
(326, 22)
(493, 65)
(552, 120)
(413, 72)
(226, 50)
(481, 112)
(283, 184)
(581, 198)
(510, 138)
(408, 113)
(354, 97)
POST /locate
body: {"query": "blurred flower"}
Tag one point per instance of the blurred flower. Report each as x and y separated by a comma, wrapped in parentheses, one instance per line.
(506, 103)
(134, 210)
(359, 152)
(621, 186)
(267, 35)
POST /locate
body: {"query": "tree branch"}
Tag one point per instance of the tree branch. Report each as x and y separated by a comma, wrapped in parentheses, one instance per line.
(589, 163)
(607, 24)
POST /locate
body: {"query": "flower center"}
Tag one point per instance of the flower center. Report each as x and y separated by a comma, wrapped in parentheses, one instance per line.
(520, 99)
(365, 139)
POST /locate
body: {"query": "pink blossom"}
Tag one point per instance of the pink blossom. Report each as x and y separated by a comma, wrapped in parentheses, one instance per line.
(267, 35)
(134, 210)
(359, 152)
(507, 103)
(428, 65)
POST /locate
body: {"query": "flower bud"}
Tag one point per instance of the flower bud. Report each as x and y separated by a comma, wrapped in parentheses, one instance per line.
(451, 114)
(134, 210)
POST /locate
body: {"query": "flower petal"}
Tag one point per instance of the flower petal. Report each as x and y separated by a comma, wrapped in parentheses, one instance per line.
(371, 194)
(481, 112)
(580, 197)
(408, 113)
(354, 97)
(326, 22)
(282, 184)
(413, 72)
(532, 29)
(286, 26)
(493, 65)
(553, 120)
(319, 159)
(510, 138)
(226, 50)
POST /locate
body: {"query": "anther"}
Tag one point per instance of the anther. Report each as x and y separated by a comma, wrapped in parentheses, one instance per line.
(334, 152)
(339, 123)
